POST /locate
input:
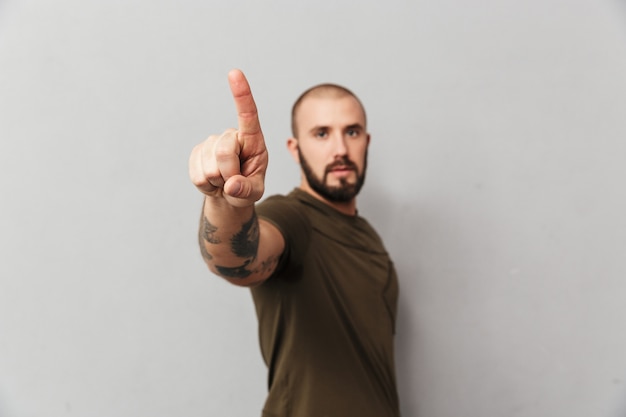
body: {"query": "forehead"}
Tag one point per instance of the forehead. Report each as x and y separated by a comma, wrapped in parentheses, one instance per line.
(329, 111)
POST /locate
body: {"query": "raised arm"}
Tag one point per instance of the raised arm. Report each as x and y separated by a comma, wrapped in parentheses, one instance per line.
(229, 169)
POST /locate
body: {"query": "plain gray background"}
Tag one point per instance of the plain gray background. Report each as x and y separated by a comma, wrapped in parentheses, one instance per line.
(496, 180)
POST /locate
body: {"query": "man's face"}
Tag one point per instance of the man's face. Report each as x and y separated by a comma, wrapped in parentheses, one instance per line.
(332, 146)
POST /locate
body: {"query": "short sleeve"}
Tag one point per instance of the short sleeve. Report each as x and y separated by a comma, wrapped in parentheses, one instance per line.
(287, 214)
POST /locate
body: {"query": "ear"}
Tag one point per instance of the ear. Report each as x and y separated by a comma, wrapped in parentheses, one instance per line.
(292, 147)
(368, 139)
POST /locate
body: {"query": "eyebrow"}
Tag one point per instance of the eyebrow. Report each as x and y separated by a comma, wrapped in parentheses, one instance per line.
(323, 127)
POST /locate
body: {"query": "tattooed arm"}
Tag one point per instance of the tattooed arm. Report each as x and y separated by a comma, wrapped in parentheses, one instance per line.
(229, 169)
(237, 245)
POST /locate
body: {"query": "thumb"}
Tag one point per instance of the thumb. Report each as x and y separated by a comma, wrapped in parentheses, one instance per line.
(243, 188)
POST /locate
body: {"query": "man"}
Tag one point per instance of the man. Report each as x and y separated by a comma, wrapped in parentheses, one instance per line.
(324, 287)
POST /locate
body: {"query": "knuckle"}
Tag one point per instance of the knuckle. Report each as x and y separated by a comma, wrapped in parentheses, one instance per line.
(225, 150)
(222, 153)
(210, 157)
(213, 176)
(197, 180)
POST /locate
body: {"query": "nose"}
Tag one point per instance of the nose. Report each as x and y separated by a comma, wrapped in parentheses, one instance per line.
(340, 146)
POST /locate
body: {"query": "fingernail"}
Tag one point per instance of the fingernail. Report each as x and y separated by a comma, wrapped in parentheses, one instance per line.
(236, 189)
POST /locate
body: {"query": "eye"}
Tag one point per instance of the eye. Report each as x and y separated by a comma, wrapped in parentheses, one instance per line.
(352, 132)
(322, 133)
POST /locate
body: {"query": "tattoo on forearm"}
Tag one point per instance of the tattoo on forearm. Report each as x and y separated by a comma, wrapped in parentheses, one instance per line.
(245, 243)
(242, 271)
(205, 253)
(206, 235)
(208, 231)
(235, 271)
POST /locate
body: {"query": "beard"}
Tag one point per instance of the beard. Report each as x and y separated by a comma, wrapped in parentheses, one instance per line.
(341, 193)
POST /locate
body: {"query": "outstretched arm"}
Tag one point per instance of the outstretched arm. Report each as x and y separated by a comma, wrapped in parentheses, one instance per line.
(229, 169)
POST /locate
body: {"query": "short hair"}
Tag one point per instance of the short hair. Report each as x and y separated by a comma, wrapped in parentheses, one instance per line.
(326, 90)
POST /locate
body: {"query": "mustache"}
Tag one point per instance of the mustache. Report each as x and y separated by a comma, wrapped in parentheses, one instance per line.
(343, 162)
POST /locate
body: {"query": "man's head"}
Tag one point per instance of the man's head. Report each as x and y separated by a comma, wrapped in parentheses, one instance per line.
(330, 141)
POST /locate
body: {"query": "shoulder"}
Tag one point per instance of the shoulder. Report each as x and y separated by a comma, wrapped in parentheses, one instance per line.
(276, 202)
(287, 212)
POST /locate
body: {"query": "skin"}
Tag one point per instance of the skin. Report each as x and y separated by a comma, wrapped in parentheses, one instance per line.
(332, 137)
(229, 169)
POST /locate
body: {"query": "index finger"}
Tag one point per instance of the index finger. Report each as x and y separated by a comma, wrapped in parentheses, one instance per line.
(247, 116)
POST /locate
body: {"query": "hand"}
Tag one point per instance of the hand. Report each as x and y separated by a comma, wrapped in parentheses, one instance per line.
(232, 165)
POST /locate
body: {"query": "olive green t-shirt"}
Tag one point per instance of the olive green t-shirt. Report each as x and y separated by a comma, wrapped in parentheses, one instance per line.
(327, 315)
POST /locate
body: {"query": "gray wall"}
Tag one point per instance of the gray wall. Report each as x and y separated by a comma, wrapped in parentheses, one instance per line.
(496, 180)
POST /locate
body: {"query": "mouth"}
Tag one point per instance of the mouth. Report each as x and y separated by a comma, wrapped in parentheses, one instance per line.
(341, 172)
(342, 168)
